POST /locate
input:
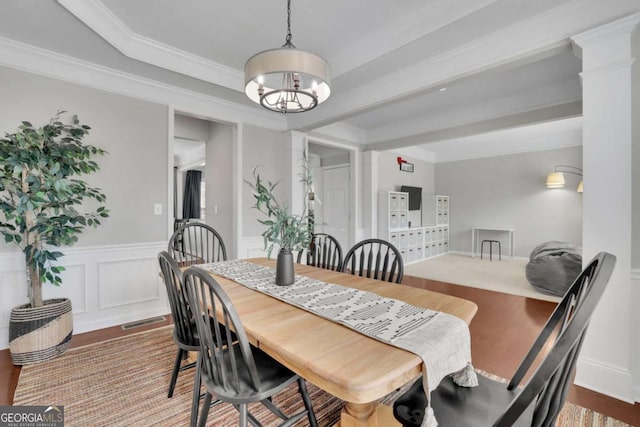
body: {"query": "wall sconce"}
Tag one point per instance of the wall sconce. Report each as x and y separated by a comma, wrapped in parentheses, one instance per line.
(556, 178)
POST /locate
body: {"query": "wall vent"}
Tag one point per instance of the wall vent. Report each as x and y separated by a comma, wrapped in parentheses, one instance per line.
(143, 322)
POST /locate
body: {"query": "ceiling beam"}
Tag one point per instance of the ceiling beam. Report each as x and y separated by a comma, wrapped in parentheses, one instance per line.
(539, 115)
(537, 35)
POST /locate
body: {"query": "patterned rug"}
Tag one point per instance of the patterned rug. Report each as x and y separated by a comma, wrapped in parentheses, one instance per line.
(124, 382)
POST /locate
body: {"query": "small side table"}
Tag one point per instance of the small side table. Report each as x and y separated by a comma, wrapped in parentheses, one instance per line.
(475, 238)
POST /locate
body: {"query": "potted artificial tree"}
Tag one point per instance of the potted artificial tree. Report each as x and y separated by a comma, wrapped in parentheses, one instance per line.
(288, 231)
(40, 202)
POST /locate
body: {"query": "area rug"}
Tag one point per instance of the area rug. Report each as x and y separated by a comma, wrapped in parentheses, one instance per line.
(124, 381)
(507, 276)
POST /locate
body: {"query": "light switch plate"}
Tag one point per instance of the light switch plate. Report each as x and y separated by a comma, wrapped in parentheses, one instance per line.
(157, 209)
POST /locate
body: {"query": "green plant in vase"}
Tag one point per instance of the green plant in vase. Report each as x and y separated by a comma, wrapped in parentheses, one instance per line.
(40, 208)
(290, 232)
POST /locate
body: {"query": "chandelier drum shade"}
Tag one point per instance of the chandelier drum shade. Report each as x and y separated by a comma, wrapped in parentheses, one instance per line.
(287, 80)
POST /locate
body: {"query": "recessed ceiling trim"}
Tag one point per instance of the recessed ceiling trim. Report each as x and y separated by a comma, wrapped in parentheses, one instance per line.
(100, 19)
(434, 16)
(548, 30)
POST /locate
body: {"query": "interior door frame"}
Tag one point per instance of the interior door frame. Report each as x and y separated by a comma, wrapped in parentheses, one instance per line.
(237, 170)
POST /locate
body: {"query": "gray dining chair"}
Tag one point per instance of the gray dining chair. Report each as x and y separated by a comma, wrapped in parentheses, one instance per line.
(324, 252)
(238, 374)
(196, 243)
(185, 334)
(539, 401)
(374, 258)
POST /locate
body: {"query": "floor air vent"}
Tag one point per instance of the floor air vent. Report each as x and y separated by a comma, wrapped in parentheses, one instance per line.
(142, 322)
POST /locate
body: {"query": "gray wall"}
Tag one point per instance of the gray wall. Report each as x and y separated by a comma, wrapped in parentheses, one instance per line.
(266, 149)
(509, 191)
(133, 174)
(190, 128)
(391, 178)
(219, 182)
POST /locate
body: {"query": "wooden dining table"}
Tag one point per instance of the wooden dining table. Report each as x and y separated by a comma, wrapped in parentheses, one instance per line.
(353, 367)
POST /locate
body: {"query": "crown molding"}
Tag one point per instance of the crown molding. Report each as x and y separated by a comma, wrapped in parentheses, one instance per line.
(625, 25)
(549, 30)
(32, 59)
(100, 19)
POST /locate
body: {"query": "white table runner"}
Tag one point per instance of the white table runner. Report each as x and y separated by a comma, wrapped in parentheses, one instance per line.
(441, 340)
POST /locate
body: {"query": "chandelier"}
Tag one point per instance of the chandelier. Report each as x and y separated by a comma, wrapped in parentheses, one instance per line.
(287, 80)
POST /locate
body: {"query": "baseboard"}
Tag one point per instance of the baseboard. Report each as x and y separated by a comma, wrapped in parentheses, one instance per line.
(88, 326)
(606, 379)
(466, 253)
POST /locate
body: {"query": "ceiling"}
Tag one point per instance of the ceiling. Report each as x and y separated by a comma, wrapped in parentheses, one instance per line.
(410, 73)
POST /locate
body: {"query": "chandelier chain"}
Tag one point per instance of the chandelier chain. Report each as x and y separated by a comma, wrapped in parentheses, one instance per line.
(289, 36)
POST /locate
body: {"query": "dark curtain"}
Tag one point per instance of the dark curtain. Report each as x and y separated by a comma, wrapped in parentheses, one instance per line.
(191, 200)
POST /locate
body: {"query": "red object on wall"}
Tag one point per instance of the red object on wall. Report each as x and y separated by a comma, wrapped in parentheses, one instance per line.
(401, 160)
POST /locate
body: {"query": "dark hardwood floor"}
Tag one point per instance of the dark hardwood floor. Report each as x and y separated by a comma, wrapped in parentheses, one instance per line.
(502, 331)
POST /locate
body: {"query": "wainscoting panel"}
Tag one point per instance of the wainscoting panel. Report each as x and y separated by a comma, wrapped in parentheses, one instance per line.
(620, 382)
(126, 281)
(73, 286)
(107, 285)
(253, 247)
(13, 292)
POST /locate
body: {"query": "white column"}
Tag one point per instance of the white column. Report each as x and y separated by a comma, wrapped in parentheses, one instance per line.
(609, 355)
(370, 192)
(296, 144)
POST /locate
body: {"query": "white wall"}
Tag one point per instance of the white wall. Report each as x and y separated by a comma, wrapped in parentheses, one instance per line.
(219, 182)
(509, 192)
(266, 149)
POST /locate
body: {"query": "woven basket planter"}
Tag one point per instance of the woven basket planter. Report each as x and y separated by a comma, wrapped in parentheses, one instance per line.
(42, 333)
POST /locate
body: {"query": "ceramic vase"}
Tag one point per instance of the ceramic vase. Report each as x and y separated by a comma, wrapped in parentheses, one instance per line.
(285, 273)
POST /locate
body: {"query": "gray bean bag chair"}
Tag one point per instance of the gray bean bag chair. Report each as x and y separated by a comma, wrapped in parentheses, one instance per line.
(553, 266)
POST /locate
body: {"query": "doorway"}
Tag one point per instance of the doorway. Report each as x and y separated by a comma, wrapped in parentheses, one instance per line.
(206, 146)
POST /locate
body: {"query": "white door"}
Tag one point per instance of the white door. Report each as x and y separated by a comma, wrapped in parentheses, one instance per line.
(335, 204)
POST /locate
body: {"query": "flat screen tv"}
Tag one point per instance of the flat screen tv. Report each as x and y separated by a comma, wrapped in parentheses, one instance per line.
(415, 196)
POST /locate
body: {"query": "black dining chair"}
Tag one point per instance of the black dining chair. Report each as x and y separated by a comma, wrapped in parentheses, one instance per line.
(324, 251)
(539, 401)
(374, 258)
(184, 332)
(238, 374)
(196, 243)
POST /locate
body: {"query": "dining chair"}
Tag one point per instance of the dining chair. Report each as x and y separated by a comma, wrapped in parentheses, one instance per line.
(539, 401)
(196, 243)
(374, 258)
(324, 251)
(238, 374)
(184, 332)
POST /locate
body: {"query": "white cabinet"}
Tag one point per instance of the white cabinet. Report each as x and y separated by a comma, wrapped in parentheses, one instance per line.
(415, 243)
